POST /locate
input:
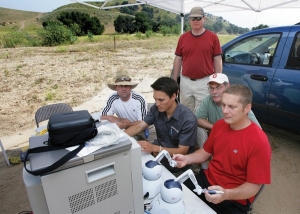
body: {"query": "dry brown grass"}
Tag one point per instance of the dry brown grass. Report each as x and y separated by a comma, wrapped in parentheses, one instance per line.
(36, 76)
(32, 77)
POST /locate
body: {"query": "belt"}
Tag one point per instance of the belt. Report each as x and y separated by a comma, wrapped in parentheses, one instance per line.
(192, 78)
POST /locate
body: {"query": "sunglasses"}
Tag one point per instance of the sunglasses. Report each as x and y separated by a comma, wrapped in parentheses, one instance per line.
(196, 18)
(122, 79)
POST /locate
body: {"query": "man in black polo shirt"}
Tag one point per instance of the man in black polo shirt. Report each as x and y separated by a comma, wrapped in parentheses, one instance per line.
(175, 124)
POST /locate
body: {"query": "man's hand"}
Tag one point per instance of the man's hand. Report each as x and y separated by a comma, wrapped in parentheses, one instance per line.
(176, 67)
(181, 160)
(110, 118)
(146, 146)
(216, 198)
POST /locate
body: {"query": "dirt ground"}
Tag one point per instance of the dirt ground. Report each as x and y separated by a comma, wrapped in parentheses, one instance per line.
(32, 77)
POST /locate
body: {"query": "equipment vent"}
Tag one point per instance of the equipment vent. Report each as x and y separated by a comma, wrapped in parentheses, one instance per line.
(117, 212)
(106, 190)
(81, 200)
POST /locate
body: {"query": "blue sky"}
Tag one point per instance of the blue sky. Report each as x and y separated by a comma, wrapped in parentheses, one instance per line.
(34, 5)
(249, 19)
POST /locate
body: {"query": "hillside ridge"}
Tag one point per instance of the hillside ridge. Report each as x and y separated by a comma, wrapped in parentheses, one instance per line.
(33, 20)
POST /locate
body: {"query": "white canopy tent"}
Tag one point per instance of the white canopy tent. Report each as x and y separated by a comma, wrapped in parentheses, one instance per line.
(183, 7)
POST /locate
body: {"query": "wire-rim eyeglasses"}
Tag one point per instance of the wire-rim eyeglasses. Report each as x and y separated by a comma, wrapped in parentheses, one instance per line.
(218, 88)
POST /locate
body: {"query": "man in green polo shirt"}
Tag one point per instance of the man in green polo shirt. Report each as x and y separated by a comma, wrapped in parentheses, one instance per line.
(210, 109)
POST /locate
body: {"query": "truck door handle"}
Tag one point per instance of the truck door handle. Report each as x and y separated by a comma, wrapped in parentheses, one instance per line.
(259, 77)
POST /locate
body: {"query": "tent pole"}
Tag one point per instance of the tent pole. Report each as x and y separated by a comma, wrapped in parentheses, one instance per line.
(182, 22)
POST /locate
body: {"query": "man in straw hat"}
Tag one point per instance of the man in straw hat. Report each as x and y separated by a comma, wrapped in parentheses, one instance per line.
(129, 106)
(198, 54)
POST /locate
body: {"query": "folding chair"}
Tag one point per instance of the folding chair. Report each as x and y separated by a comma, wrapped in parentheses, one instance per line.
(151, 129)
(4, 154)
(255, 199)
(44, 112)
(149, 105)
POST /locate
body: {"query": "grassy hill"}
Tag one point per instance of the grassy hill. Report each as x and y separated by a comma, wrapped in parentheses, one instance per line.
(16, 15)
(18, 19)
(31, 21)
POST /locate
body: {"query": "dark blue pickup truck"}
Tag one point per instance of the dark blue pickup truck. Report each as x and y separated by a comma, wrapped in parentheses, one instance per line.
(268, 62)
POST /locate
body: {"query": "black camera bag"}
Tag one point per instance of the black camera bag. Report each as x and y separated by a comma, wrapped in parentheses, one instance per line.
(64, 127)
(65, 130)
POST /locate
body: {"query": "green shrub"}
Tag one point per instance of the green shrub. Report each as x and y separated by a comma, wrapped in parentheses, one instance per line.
(139, 35)
(165, 30)
(49, 96)
(75, 28)
(73, 39)
(13, 39)
(55, 33)
(90, 36)
(176, 29)
(149, 33)
(17, 38)
(32, 41)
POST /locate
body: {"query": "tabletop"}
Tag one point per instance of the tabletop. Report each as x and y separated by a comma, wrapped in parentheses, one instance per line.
(193, 204)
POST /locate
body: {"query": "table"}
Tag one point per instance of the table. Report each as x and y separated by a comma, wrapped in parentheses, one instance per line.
(193, 204)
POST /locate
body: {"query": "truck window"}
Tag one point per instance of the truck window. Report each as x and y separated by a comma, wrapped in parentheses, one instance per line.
(255, 50)
(294, 56)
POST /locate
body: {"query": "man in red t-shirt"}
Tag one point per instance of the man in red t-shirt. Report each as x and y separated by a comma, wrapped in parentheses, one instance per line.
(198, 54)
(240, 152)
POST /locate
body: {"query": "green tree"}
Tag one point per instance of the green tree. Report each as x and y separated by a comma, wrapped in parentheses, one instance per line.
(93, 26)
(261, 26)
(124, 24)
(229, 30)
(156, 26)
(234, 28)
(218, 26)
(83, 20)
(209, 26)
(169, 21)
(148, 10)
(142, 22)
(127, 10)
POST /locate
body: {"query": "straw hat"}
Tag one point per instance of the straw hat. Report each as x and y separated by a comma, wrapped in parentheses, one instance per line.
(122, 78)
